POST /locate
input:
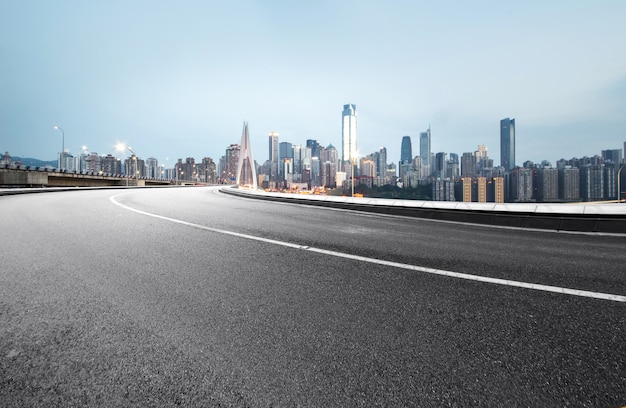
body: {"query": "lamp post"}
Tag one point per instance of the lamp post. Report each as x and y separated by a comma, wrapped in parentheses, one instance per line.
(62, 146)
(353, 156)
(120, 147)
(619, 192)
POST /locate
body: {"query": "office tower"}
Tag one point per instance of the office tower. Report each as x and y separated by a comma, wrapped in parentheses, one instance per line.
(507, 144)
(452, 167)
(425, 152)
(273, 155)
(315, 147)
(285, 151)
(329, 154)
(315, 171)
(348, 133)
(406, 152)
(468, 164)
(406, 155)
(297, 159)
(440, 165)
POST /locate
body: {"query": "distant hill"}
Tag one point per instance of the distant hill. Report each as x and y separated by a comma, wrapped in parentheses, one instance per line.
(27, 161)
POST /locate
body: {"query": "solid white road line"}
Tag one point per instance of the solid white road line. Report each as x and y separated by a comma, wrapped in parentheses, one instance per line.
(458, 275)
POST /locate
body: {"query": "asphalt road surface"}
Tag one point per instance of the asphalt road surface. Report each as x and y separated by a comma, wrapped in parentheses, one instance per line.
(191, 297)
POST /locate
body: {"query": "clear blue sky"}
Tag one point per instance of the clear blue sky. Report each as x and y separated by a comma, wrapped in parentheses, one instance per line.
(176, 79)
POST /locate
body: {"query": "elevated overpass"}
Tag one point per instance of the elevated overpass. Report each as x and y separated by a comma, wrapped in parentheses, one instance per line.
(23, 176)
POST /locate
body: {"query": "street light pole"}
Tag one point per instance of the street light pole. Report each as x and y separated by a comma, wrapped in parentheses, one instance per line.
(136, 165)
(120, 148)
(62, 146)
(619, 190)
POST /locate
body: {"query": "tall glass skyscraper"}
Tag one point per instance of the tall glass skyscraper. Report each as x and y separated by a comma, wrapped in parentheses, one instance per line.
(507, 144)
(348, 133)
(406, 152)
(425, 147)
(273, 155)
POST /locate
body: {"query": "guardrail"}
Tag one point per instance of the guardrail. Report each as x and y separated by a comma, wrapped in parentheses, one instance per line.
(579, 217)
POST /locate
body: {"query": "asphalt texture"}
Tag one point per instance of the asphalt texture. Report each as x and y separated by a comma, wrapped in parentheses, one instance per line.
(104, 306)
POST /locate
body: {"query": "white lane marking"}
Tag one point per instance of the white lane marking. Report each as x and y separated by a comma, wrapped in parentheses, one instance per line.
(458, 275)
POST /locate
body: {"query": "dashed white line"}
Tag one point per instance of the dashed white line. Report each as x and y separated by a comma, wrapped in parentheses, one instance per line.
(458, 275)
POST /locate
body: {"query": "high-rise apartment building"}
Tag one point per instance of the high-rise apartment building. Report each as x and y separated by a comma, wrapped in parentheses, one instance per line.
(466, 183)
(613, 156)
(591, 182)
(348, 133)
(482, 189)
(152, 168)
(135, 167)
(228, 171)
(498, 189)
(522, 186)
(380, 159)
(610, 180)
(547, 185)
(569, 184)
(110, 164)
(507, 144)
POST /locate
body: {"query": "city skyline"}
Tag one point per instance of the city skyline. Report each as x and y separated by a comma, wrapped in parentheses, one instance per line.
(176, 80)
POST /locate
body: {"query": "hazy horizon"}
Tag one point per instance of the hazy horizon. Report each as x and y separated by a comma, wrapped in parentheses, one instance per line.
(178, 79)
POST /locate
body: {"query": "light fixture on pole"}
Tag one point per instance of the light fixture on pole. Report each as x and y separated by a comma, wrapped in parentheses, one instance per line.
(120, 147)
(62, 156)
(619, 192)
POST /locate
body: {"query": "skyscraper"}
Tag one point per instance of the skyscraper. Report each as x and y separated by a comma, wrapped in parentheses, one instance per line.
(507, 144)
(348, 133)
(406, 152)
(273, 155)
(425, 147)
(406, 155)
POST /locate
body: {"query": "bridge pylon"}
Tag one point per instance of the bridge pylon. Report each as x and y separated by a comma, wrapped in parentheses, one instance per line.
(246, 171)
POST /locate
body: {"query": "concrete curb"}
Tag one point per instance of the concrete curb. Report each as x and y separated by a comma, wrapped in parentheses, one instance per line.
(606, 218)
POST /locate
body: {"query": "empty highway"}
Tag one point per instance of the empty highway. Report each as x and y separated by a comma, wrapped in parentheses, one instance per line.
(190, 297)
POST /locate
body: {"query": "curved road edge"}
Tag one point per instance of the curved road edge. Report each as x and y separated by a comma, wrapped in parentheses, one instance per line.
(605, 219)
